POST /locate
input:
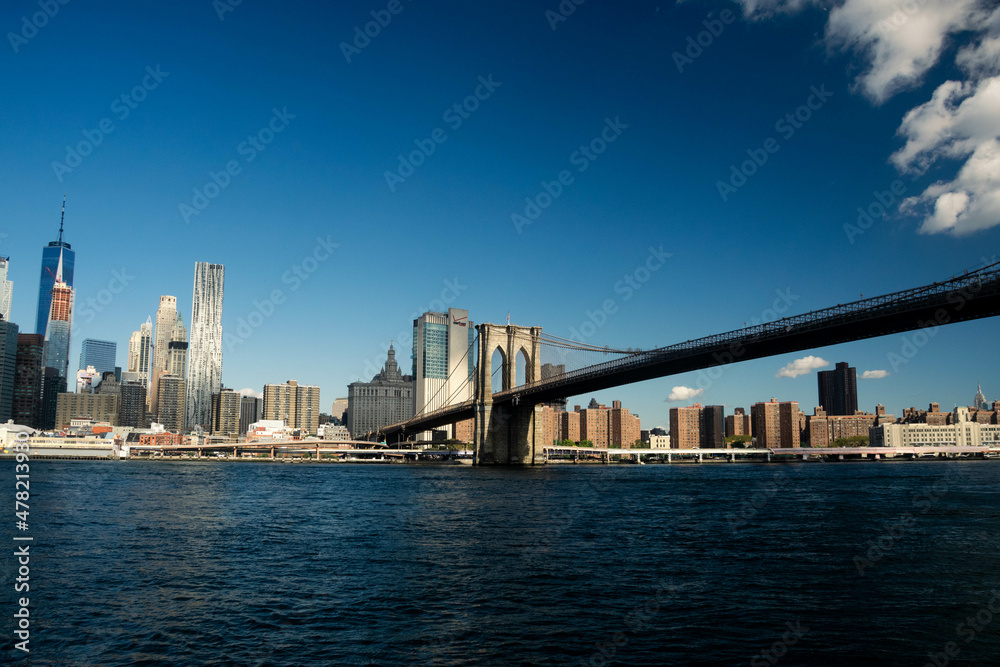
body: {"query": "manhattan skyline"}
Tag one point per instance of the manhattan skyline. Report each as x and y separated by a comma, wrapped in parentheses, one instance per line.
(315, 235)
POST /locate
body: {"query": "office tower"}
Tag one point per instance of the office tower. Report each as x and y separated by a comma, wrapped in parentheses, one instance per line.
(226, 413)
(838, 390)
(28, 380)
(387, 399)
(170, 396)
(979, 402)
(8, 368)
(250, 412)
(297, 405)
(108, 384)
(132, 408)
(713, 427)
(100, 354)
(166, 320)
(58, 254)
(177, 354)
(99, 407)
(775, 424)
(204, 376)
(339, 409)
(59, 324)
(140, 347)
(6, 289)
(53, 385)
(443, 361)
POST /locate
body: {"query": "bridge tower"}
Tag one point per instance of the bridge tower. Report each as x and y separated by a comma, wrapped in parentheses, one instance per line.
(505, 432)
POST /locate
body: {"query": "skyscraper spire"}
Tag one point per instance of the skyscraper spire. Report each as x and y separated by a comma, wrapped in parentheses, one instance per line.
(62, 219)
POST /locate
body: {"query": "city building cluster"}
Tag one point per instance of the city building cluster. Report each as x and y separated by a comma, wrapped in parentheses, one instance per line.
(171, 389)
(170, 386)
(835, 422)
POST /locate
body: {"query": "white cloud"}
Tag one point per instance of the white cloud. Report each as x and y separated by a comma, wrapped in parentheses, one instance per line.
(802, 366)
(684, 394)
(250, 392)
(874, 375)
(761, 9)
(898, 42)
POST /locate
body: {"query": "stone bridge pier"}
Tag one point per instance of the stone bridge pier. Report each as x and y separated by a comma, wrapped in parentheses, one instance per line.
(505, 432)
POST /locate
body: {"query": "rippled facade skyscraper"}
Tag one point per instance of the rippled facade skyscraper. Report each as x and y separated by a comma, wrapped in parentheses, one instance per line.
(6, 289)
(204, 376)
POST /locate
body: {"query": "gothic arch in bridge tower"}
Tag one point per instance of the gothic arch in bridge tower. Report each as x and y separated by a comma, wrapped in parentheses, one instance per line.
(505, 433)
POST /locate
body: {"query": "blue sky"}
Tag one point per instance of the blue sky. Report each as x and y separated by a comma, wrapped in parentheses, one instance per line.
(309, 215)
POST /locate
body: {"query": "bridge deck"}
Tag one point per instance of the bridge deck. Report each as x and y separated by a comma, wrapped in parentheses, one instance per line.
(970, 296)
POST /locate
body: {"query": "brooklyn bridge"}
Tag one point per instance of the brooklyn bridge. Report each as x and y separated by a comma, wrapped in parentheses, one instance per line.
(505, 420)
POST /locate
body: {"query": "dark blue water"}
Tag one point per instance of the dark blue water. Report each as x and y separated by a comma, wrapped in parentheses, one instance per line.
(296, 564)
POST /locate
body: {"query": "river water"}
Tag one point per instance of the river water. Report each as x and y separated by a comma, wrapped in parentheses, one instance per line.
(245, 563)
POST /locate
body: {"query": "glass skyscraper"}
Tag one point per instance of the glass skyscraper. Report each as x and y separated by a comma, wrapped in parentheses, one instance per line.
(98, 353)
(443, 364)
(204, 376)
(59, 322)
(52, 254)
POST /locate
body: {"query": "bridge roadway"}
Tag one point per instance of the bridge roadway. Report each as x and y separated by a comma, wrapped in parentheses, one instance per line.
(970, 296)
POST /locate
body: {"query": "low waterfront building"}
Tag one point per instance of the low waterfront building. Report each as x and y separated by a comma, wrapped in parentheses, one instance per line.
(963, 432)
(269, 429)
(331, 431)
(659, 441)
